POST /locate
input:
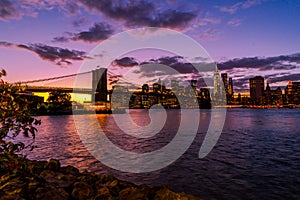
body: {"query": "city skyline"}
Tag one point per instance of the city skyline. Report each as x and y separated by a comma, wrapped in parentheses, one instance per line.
(51, 38)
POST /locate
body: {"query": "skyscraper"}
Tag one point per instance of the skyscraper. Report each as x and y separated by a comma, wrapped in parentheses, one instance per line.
(99, 85)
(225, 83)
(145, 88)
(217, 85)
(194, 84)
(230, 88)
(174, 86)
(256, 87)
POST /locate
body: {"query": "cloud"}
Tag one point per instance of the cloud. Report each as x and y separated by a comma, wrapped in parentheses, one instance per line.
(277, 69)
(240, 5)
(8, 10)
(263, 63)
(98, 32)
(209, 33)
(288, 77)
(57, 55)
(176, 65)
(79, 21)
(113, 79)
(141, 13)
(125, 62)
(205, 21)
(6, 44)
(234, 22)
(72, 7)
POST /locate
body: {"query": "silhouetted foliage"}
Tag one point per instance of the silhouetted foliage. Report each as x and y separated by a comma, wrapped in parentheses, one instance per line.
(59, 101)
(15, 117)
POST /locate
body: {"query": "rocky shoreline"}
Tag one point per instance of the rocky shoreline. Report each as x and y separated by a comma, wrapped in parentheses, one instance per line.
(21, 178)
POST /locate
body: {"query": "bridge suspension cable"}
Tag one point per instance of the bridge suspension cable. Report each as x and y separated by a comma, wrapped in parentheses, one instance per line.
(53, 78)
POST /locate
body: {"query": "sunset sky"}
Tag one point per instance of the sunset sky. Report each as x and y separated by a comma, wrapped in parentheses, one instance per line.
(48, 38)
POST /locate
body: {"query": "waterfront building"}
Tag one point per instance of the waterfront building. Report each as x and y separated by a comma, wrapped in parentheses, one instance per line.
(272, 97)
(174, 86)
(145, 88)
(156, 88)
(159, 88)
(292, 93)
(256, 88)
(230, 89)
(193, 88)
(225, 83)
(217, 84)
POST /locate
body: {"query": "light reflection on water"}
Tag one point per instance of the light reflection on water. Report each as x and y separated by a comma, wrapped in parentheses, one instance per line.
(257, 155)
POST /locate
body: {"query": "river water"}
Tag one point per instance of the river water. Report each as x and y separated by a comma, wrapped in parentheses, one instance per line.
(256, 157)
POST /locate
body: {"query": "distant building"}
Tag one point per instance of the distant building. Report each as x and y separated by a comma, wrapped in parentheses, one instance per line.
(230, 89)
(272, 97)
(193, 88)
(256, 88)
(225, 83)
(145, 88)
(159, 88)
(174, 86)
(119, 88)
(292, 93)
(194, 84)
(217, 85)
(156, 88)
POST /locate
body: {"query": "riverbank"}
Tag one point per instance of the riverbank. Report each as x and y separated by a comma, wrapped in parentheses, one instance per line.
(21, 178)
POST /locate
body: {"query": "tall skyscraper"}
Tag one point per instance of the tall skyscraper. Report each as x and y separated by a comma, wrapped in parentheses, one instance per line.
(145, 88)
(194, 84)
(174, 86)
(256, 87)
(225, 83)
(230, 88)
(99, 85)
(217, 85)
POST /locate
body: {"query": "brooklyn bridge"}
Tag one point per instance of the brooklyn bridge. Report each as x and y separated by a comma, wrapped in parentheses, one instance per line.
(120, 96)
(99, 83)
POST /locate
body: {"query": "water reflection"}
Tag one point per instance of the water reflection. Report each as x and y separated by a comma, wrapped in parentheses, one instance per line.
(257, 155)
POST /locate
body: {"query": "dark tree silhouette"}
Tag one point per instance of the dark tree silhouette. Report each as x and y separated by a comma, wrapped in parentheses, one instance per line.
(59, 101)
(15, 117)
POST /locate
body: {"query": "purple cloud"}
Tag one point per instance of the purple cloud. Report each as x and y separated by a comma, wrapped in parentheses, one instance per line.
(240, 5)
(54, 54)
(141, 13)
(8, 10)
(98, 32)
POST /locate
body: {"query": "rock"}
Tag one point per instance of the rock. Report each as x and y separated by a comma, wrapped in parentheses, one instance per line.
(55, 178)
(5, 178)
(36, 167)
(70, 179)
(53, 165)
(12, 189)
(51, 193)
(81, 191)
(113, 187)
(12, 197)
(107, 177)
(133, 194)
(103, 194)
(165, 193)
(70, 170)
(125, 184)
(48, 180)
(33, 184)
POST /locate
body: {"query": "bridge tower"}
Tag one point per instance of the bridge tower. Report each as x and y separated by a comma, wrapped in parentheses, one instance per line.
(99, 85)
